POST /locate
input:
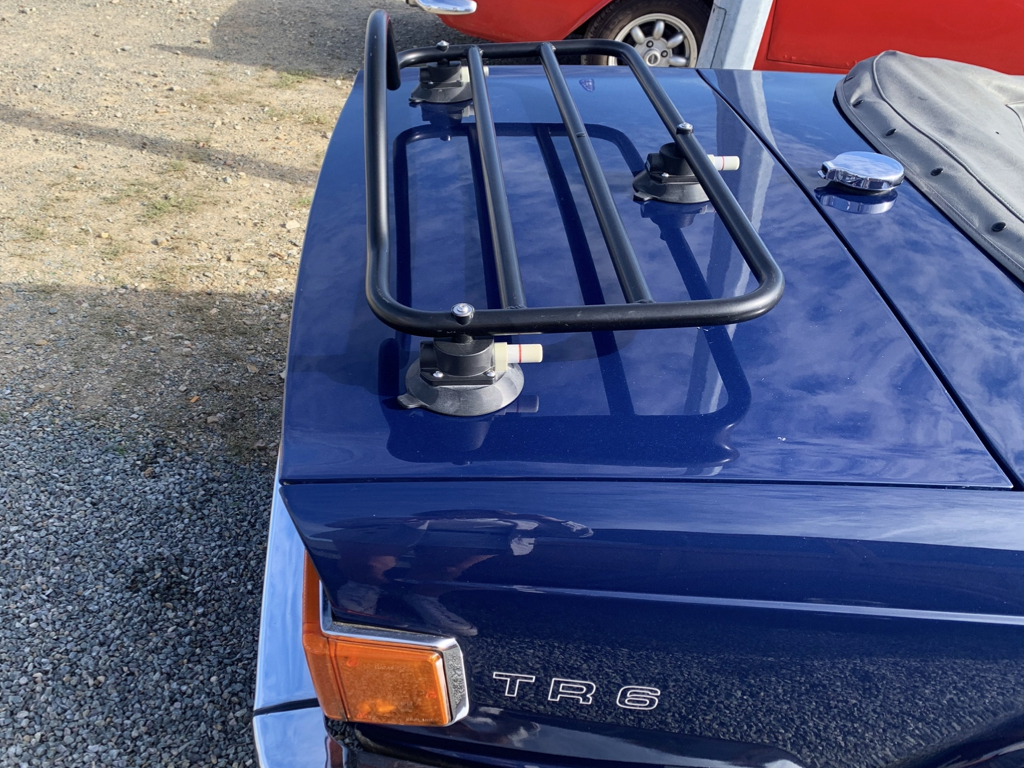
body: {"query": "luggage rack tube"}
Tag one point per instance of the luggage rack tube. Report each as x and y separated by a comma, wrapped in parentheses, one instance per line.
(506, 261)
(634, 286)
(383, 63)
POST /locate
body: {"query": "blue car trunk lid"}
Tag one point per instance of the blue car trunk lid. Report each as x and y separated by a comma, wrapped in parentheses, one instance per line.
(825, 388)
(832, 563)
(965, 312)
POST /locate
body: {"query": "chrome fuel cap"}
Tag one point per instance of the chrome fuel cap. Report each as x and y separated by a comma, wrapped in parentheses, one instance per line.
(864, 171)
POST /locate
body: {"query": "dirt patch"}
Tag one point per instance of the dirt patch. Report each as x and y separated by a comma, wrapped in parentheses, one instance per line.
(159, 164)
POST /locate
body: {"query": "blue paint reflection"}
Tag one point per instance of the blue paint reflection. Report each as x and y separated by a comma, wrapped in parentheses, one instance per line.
(848, 202)
(825, 388)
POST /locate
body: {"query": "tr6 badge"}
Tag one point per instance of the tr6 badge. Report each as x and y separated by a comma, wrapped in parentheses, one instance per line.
(642, 697)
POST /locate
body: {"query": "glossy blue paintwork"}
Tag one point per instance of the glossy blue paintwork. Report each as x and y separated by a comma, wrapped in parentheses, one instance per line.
(967, 313)
(472, 738)
(973, 539)
(825, 388)
(849, 626)
(787, 527)
(529, 741)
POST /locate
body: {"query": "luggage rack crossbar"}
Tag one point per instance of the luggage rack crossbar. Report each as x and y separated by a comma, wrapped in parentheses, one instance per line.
(382, 68)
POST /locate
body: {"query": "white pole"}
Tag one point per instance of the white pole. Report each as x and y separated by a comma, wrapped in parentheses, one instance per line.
(734, 33)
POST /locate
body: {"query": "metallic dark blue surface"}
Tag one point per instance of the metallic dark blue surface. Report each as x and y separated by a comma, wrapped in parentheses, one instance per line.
(832, 564)
(967, 312)
(850, 626)
(969, 543)
(504, 737)
(826, 388)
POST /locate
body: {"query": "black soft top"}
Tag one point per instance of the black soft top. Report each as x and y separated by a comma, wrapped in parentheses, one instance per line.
(959, 132)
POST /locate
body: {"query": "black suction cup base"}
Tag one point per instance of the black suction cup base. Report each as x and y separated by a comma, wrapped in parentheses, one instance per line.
(461, 399)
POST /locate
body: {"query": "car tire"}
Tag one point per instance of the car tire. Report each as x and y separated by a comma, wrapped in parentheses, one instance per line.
(635, 22)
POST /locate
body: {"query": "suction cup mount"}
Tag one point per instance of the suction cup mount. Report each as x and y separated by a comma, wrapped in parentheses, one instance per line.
(668, 177)
(442, 82)
(464, 376)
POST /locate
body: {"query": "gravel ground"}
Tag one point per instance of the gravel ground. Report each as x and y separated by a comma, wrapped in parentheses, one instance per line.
(159, 161)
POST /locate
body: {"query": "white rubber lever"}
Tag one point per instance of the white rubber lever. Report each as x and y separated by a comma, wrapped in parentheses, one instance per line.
(516, 353)
(725, 162)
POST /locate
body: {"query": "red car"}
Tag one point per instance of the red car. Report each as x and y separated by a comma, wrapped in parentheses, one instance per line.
(805, 35)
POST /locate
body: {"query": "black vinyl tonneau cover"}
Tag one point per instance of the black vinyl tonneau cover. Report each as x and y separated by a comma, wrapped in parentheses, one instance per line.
(959, 132)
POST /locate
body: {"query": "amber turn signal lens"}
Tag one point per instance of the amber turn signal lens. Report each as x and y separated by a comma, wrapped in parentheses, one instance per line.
(376, 676)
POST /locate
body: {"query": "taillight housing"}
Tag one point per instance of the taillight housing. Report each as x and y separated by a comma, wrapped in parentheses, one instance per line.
(372, 675)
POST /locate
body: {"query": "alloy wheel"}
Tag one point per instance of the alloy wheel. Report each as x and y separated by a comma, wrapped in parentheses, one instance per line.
(661, 40)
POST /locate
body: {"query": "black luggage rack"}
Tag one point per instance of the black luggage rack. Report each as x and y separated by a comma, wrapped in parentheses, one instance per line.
(456, 373)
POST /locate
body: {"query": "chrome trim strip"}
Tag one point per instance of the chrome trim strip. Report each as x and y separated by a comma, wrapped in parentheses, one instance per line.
(447, 647)
(281, 672)
(295, 739)
(455, 678)
(379, 634)
(918, 614)
(445, 7)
